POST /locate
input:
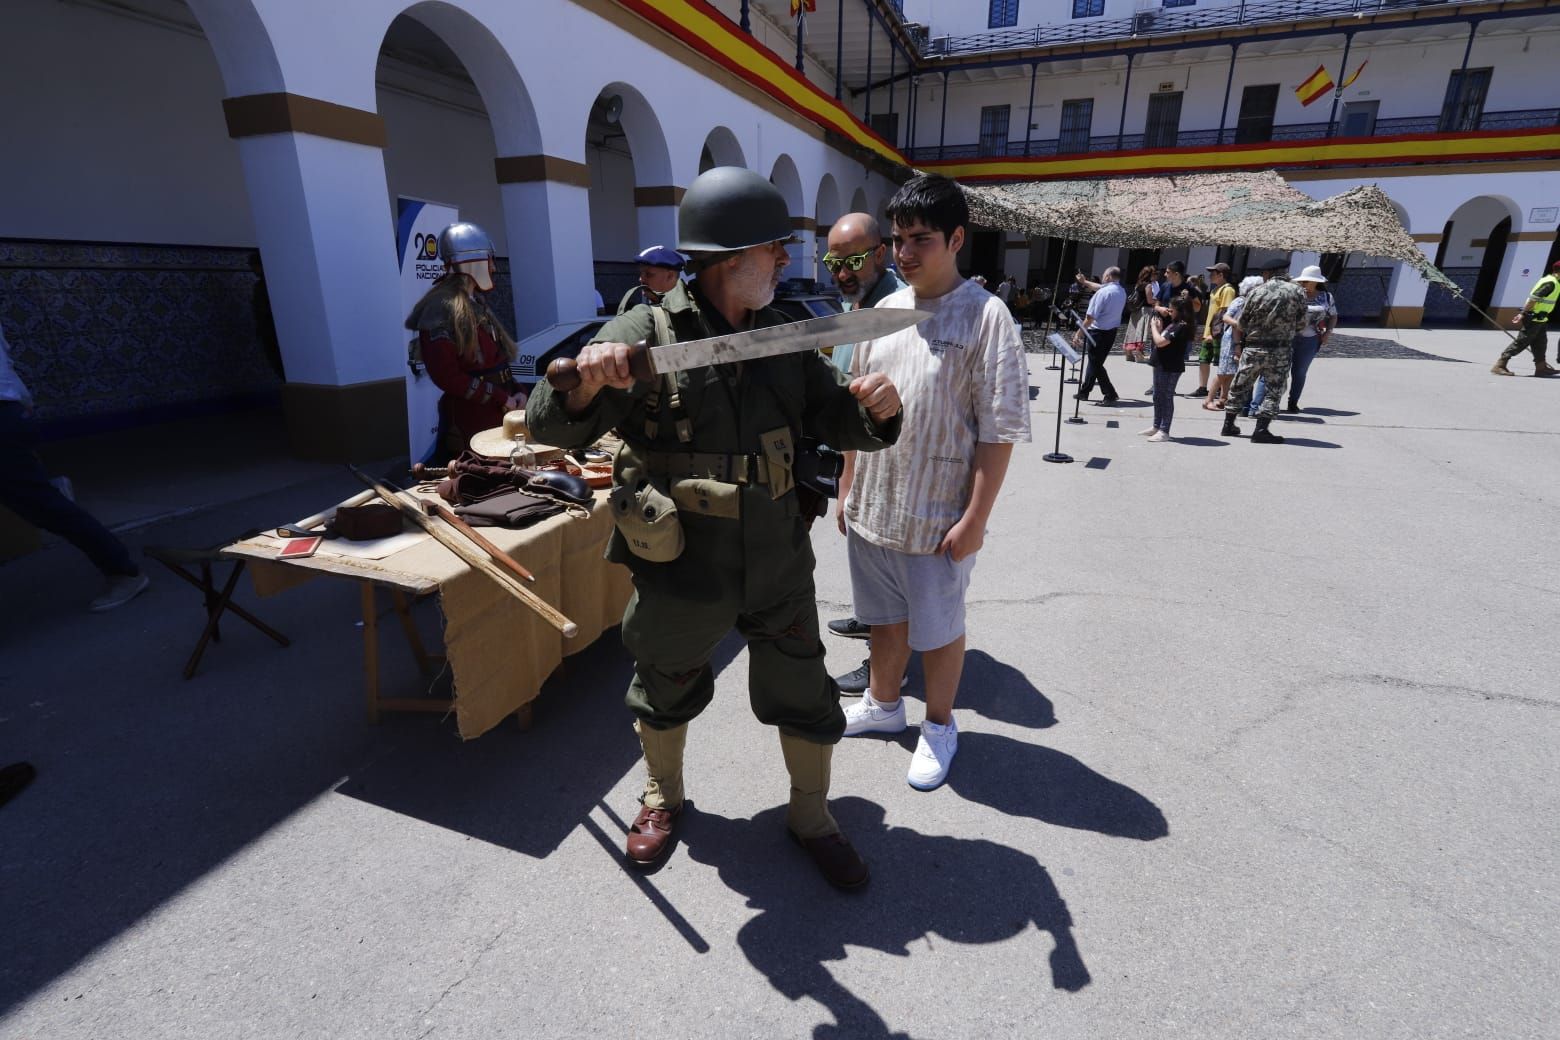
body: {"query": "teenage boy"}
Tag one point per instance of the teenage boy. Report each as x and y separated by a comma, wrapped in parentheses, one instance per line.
(917, 511)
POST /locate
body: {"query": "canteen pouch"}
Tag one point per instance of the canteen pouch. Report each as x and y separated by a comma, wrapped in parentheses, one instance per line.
(779, 458)
(699, 496)
(646, 517)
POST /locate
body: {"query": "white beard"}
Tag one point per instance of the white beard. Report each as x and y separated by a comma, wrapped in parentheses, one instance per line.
(752, 281)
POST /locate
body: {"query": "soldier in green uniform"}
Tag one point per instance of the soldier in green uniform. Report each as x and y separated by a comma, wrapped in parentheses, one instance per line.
(1275, 312)
(1534, 319)
(707, 513)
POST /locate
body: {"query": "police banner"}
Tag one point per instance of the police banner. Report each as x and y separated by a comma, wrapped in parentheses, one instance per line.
(418, 223)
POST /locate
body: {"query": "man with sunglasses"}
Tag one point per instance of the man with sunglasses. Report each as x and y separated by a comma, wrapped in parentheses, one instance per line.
(858, 261)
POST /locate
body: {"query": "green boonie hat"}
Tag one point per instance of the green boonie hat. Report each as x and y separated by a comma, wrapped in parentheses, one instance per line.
(730, 208)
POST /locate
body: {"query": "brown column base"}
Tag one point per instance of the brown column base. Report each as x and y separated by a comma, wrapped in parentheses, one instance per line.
(1504, 314)
(346, 423)
(1403, 317)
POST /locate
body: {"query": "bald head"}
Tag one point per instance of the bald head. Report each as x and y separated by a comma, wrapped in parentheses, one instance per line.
(851, 236)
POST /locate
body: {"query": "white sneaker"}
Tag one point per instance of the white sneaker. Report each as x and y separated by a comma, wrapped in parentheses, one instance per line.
(868, 716)
(933, 755)
(1159, 437)
(119, 591)
(1148, 432)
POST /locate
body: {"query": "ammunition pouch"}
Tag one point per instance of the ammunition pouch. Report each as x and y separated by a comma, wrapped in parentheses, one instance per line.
(646, 517)
(779, 460)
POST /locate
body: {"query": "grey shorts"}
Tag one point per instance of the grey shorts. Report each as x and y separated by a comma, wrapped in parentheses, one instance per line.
(888, 587)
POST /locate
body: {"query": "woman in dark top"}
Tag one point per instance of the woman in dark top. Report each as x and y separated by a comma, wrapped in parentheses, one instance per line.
(1171, 339)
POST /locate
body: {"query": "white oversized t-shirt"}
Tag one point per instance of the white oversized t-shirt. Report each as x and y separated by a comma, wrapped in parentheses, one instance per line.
(964, 379)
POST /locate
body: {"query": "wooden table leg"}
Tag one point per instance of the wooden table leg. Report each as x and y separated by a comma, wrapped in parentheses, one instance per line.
(409, 626)
(370, 651)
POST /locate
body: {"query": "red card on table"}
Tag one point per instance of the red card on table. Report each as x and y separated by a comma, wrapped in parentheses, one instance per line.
(298, 548)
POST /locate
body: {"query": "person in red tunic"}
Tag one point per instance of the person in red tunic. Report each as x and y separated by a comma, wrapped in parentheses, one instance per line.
(465, 349)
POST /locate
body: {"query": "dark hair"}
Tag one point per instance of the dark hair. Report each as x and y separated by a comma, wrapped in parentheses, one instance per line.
(930, 199)
(1146, 275)
(1181, 307)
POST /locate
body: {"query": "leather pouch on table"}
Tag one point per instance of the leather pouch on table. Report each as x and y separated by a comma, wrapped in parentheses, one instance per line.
(508, 509)
(367, 522)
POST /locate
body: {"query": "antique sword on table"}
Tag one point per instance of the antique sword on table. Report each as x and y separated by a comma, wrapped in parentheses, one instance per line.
(647, 362)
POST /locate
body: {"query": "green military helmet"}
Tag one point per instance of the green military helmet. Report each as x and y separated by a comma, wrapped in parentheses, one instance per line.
(730, 208)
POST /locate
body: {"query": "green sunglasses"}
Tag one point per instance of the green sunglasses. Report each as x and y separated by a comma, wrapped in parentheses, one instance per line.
(832, 263)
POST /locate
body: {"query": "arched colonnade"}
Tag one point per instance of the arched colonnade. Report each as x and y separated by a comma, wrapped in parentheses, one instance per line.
(305, 111)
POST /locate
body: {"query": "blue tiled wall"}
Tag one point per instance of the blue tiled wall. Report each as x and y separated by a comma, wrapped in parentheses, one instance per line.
(107, 330)
(1441, 305)
(1361, 293)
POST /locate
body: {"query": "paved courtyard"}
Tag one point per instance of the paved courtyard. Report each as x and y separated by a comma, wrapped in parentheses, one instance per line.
(1257, 741)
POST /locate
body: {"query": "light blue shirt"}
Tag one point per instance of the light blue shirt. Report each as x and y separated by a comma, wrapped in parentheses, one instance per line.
(11, 386)
(889, 283)
(1106, 305)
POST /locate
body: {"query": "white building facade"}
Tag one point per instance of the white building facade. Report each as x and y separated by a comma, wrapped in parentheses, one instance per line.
(178, 140)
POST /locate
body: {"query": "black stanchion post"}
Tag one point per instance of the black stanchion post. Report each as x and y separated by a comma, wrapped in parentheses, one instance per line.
(1050, 312)
(1075, 420)
(1057, 455)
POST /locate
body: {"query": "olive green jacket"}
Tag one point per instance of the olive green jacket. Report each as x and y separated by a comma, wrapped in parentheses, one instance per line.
(729, 407)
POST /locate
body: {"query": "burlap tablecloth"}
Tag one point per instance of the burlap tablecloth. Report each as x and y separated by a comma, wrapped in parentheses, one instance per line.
(499, 650)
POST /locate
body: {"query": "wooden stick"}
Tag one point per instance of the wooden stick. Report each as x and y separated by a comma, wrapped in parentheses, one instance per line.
(503, 559)
(477, 560)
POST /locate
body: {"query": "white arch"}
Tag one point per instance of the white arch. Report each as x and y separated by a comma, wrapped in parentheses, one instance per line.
(488, 63)
(826, 208)
(646, 138)
(724, 148)
(242, 45)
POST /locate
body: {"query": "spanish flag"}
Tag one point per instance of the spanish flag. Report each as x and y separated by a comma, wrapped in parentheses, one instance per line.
(1350, 79)
(797, 6)
(1315, 87)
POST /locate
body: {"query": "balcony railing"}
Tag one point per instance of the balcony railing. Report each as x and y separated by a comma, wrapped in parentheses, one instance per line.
(1525, 119)
(1160, 22)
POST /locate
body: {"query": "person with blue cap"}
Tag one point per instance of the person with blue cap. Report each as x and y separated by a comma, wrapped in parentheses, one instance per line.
(660, 269)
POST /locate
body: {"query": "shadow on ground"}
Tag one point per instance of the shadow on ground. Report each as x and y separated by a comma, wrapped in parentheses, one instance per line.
(801, 925)
(467, 787)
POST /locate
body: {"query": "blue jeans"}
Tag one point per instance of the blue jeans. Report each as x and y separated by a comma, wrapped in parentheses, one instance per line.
(25, 489)
(1164, 399)
(1305, 350)
(1302, 351)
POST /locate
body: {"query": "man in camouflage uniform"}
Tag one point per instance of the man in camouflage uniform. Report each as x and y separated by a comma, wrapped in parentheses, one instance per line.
(707, 513)
(1274, 314)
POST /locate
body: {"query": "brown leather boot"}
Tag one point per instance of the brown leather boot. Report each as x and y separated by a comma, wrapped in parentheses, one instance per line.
(650, 835)
(1500, 369)
(1543, 369)
(808, 818)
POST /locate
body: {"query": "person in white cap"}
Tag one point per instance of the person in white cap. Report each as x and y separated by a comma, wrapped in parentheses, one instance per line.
(1321, 315)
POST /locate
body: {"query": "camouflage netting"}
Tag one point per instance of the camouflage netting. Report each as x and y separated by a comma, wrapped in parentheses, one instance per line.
(1248, 209)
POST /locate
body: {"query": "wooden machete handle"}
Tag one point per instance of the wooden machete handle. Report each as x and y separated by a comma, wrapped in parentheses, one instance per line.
(564, 373)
